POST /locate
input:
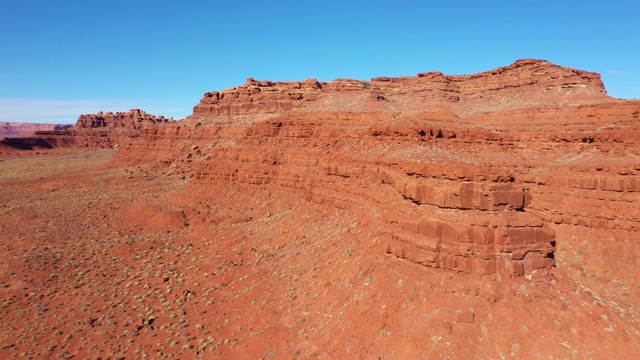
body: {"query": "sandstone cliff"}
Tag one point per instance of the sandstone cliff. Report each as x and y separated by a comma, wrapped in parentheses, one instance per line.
(482, 173)
(475, 173)
(524, 84)
(91, 131)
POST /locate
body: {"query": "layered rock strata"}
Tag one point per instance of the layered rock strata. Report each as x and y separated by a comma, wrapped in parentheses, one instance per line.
(473, 173)
(91, 131)
(486, 173)
(134, 119)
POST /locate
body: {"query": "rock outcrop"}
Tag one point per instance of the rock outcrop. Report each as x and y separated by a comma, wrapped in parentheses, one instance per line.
(91, 131)
(483, 173)
(134, 119)
(524, 84)
(478, 173)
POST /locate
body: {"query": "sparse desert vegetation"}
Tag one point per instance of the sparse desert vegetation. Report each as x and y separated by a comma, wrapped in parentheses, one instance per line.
(387, 219)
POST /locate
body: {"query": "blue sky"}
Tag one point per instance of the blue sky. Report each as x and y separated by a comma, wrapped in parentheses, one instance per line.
(59, 59)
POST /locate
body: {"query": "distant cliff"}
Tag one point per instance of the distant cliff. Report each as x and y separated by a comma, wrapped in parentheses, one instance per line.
(134, 119)
(15, 129)
(480, 173)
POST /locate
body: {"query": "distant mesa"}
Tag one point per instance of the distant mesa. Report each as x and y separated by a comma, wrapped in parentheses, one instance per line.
(16, 129)
(134, 119)
(91, 131)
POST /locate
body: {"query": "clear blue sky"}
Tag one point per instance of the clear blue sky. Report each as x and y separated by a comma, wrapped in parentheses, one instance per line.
(62, 58)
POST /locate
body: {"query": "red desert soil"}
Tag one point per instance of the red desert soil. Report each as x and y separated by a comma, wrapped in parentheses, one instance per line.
(487, 216)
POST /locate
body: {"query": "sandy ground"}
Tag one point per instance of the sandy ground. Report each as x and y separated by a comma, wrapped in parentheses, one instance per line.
(100, 261)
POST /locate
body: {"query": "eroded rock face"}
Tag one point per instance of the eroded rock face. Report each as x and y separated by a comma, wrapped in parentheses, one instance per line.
(134, 119)
(91, 131)
(391, 217)
(473, 173)
(524, 84)
(482, 173)
(258, 97)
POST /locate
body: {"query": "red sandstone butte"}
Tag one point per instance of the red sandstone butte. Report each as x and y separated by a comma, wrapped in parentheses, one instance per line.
(434, 216)
(91, 131)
